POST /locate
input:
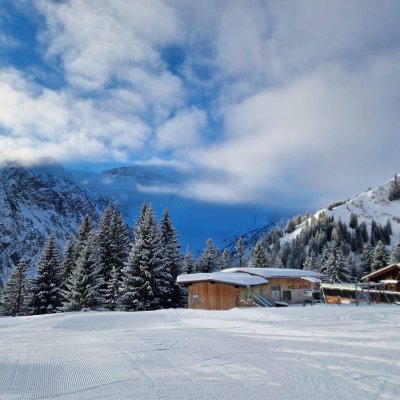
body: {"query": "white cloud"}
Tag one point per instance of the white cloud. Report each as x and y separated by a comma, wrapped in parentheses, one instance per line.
(39, 122)
(303, 96)
(181, 131)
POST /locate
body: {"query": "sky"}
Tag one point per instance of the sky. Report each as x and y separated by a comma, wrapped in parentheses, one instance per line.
(273, 103)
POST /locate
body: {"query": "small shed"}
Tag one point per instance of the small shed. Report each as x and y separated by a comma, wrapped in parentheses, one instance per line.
(244, 287)
(389, 276)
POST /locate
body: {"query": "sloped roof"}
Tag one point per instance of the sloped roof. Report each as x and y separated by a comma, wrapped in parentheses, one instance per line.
(239, 279)
(379, 272)
(273, 272)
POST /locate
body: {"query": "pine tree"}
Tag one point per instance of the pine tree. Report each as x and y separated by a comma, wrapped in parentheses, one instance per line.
(47, 296)
(104, 243)
(83, 292)
(279, 263)
(173, 262)
(226, 261)
(366, 259)
(69, 261)
(208, 261)
(144, 281)
(354, 271)
(240, 249)
(395, 255)
(119, 241)
(13, 298)
(311, 263)
(335, 267)
(83, 234)
(380, 258)
(394, 190)
(188, 262)
(258, 257)
(112, 293)
(353, 222)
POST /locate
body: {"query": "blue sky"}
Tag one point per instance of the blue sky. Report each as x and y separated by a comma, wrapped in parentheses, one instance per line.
(276, 104)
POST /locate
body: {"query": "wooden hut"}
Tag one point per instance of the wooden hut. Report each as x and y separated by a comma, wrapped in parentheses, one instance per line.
(389, 276)
(247, 287)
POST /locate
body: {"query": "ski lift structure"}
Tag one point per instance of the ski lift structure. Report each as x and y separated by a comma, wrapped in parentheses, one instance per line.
(363, 292)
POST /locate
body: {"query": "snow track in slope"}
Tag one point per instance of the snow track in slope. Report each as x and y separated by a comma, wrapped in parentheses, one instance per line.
(319, 352)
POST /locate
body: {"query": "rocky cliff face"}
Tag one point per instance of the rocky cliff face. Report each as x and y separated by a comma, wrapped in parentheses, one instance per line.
(35, 202)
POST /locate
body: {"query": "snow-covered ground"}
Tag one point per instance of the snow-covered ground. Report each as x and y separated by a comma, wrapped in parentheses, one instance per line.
(319, 352)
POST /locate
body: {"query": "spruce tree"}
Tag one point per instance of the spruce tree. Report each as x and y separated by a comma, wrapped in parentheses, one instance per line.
(208, 261)
(394, 190)
(380, 258)
(395, 255)
(14, 295)
(112, 292)
(84, 231)
(226, 261)
(353, 222)
(366, 259)
(144, 282)
(311, 263)
(172, 262)
(104, 243)
(188, 263)
(335, 267)
(258, 257)
(83, 288)
(47, 296)
(240, 249)
(69, 261)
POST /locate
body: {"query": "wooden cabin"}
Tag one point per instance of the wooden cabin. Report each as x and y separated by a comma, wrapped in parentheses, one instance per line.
(247, 287)
(389, 276)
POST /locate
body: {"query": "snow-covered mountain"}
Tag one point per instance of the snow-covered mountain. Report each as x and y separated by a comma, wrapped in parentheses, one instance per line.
(371, 205)
(35, 202)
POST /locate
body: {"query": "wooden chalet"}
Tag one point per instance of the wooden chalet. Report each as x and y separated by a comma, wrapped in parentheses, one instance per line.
(389, 276)
(248, 287)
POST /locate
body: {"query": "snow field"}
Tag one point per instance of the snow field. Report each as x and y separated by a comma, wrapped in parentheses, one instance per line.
(319, 352)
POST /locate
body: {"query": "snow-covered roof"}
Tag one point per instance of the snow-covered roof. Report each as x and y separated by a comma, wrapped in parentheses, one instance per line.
(273, 272)
(389, 281)
(311, 279)
(377, 273)
(239, 279)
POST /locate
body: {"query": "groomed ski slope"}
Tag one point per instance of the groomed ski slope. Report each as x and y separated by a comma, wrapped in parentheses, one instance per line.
(319, 352)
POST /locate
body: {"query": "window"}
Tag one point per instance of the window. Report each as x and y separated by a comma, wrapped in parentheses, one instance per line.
(196, 298)
(275, 288)
(287, 295)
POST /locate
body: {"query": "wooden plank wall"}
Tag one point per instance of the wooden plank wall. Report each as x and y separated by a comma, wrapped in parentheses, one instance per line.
(213, 296)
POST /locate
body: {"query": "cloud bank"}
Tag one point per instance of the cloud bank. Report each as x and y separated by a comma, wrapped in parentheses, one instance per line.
(289, 103)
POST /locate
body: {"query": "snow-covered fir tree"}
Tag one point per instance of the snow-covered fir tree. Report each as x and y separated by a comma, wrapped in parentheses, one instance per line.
(14, 295)
(226, 261)
(83, 288)
(394, 191)
(395, 254)
(335, 267)
(119, 241)
(353, 222)
(258, 257)
(69, 261)
(172, 262)
(380, 257)
(311, 263)
(47, 296)
(104, 243)
(366, 259)
(85, 229)
(240, 249)
(143, 281)
(112, 292)
(188, 263)
(209, 260)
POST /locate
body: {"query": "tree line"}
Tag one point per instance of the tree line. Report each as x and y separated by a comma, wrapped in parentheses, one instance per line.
(111, 268)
